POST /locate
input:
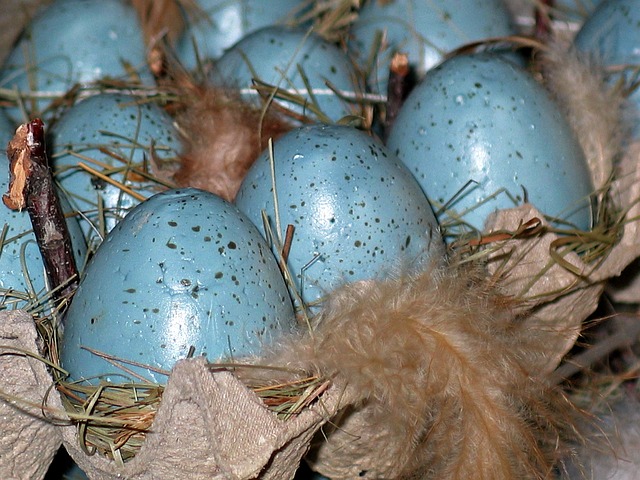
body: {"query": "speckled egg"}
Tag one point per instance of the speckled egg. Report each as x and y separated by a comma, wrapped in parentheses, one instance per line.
(356, 210)
(277, 55)
(224, 22)
(482, 132)
(117, 135)
(611, 35)
(423, 29)
(184, 268)
(74, 41)
(22, 275)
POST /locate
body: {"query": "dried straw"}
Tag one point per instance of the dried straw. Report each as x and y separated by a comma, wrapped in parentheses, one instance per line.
(113, 419)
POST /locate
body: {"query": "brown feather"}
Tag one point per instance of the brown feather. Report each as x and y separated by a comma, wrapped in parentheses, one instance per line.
(443, 366)
(159, 18)
(223, 136)
(595, 111)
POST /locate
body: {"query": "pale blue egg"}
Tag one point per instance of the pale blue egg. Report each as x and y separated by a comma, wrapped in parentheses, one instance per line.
(425, 30)
(356, 210)
(283, 57)
(22, 275)
(74, 41)
(7, 129)
(611, 35)
(114, 134)
(184, 268)
(226, 21)
(479, 126)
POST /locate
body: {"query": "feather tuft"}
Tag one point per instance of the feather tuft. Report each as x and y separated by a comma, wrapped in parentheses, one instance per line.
(159, 18)
(222, 135)
(595, 110)
(442, 377)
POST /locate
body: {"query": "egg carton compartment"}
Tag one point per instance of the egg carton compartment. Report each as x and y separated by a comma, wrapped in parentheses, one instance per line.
(208, 426)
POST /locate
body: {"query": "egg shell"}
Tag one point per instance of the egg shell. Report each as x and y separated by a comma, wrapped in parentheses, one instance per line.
(357, 211)
(481, 119)
(226, 21)
(184, 268)
(275, 54)
(126, 127)
(18, 247)
(74, 41)
(611, 35)
(425, 30)
(7, 130)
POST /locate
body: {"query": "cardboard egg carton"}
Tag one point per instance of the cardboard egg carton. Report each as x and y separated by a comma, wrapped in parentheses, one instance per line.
(208, 426)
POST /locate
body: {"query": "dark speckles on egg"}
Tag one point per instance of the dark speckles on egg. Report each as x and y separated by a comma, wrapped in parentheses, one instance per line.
(260, 55)
(338, 203)
(177, 282)
(492, 96)
(108, 128)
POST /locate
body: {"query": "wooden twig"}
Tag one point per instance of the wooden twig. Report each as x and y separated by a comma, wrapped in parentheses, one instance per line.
(543, 27)
(397, 89)
(31, 186)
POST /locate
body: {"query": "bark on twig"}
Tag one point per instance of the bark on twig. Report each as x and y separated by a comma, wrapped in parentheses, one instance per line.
(543, 26)
(31, 186)
(397, 89)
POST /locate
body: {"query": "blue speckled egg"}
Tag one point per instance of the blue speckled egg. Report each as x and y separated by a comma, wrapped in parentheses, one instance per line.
(484, 120)
(356, 209)
(184, 268)
(276, 55)
(74, 41)
(227, 21)
(22, 275)
(612, 36)
(425, 30)
(130, 131)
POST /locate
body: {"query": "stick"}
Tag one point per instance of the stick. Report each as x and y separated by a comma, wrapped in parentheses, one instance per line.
(543, 27)
(397, 89)
(31, 186)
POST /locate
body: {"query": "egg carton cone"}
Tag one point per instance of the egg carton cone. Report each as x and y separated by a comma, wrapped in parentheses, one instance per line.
(626, 288)
(208, 426)
(28, 440)
(559, 297)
